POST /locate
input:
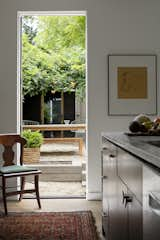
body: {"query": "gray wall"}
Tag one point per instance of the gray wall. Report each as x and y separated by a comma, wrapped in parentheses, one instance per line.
(113, 26)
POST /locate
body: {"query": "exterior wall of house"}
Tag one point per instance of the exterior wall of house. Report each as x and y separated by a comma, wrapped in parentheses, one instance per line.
(113, 27)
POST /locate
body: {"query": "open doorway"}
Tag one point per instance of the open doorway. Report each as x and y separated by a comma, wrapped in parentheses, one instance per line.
(53, 77)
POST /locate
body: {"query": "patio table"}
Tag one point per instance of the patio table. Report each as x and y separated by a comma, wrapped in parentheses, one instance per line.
(60, 127)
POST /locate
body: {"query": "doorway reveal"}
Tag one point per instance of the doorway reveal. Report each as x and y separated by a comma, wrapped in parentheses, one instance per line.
(52, 99)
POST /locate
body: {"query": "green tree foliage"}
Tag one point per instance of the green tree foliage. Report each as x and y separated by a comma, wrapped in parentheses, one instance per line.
(58, 32)
(53, 54)
(29, 27)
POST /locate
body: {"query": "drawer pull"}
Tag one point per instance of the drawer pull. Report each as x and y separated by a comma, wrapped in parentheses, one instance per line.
(112, 155)
(127, 198)
(104, 177)
(104, 148)
(104, 214)
(124, 196)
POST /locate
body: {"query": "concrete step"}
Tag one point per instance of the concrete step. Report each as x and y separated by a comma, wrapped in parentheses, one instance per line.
(59, 168)
(55, 148)
(59, 153)
(61, 158)
(83, 183)
(83, 165)
(60, 173)
(83, 175)
(61, 177)
(62, 163)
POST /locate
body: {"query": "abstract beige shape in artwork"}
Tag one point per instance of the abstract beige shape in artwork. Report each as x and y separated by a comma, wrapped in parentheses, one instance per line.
(132, 82)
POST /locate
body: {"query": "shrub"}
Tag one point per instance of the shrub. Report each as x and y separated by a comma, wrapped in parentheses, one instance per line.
(34, 138)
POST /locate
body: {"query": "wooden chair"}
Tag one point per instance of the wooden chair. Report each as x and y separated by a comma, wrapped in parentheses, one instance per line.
(11, 170)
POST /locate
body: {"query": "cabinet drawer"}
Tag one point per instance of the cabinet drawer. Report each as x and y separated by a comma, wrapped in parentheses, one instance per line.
(151, 180)
(109, 174)
(129, 169)
(135, 219)
(151, 203)
(109, 148)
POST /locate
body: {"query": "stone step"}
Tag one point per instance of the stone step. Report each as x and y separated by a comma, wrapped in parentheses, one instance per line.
(59, 168)
(83, 175)
(61, 177)
(83, 165)
(61, 158)
(83, 183)
(55, 148)
(62, 163)
(59, 153)
(60, 173)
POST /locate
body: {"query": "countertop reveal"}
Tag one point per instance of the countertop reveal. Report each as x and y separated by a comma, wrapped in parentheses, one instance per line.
(141, 146)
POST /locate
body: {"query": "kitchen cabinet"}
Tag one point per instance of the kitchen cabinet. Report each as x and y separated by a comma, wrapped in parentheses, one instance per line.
(130, 195)
(129, 169)
(135, 218)
(114, 211)
(151, 203)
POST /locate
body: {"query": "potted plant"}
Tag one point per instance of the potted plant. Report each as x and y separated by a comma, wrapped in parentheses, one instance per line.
(31, 152)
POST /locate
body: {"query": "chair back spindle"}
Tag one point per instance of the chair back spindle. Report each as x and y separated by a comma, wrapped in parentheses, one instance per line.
(8, 142)
(8, 156)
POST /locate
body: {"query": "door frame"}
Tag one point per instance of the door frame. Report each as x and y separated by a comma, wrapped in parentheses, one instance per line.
(20, 14)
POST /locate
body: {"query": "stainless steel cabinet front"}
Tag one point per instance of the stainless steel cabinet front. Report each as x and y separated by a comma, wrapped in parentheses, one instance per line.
(114, 218)
(131, 196)
(109, 171)
(118, 212)
(151, 203)
(130, 171)
(135, 220)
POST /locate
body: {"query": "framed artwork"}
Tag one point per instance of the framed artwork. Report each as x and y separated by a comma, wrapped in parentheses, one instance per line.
(132, 84)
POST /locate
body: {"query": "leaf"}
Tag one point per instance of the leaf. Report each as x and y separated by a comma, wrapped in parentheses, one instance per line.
(53, 54)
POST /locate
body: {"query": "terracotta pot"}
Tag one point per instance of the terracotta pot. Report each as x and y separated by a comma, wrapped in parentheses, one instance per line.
(31, 155)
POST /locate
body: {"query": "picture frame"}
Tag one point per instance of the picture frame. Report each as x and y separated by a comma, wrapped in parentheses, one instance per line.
(132, 84)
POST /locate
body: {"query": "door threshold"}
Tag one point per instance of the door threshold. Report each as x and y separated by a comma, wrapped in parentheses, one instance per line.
(57, 197)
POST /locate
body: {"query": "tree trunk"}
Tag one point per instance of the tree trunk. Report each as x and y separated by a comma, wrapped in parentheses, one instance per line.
(62, 107)
(42, 109)
(62, 112)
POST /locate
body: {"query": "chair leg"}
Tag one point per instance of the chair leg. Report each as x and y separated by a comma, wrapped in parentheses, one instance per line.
(22, 188)
(36, 179)
(4, 194)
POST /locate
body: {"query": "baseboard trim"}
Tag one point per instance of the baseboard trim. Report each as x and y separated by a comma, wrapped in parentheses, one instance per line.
(94, 196)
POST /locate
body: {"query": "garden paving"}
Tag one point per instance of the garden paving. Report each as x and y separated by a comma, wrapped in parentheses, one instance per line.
(60, 155)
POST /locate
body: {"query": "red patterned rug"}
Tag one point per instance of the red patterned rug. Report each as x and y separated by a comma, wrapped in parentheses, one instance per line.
(48, 226)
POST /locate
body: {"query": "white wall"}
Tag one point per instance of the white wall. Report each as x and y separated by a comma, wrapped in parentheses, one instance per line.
(113, 26)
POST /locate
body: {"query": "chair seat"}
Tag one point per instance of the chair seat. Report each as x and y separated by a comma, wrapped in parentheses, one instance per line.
(16, 169)
(10, 170)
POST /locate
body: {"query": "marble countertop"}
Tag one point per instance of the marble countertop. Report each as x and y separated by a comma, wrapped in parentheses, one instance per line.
(137, 145)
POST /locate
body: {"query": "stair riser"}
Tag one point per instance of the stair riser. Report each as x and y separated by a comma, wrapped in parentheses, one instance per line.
(58, 177)
(61, 170)
(83, 165)
(83, 177)
(83, 183)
